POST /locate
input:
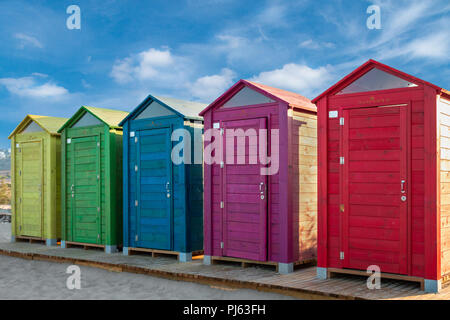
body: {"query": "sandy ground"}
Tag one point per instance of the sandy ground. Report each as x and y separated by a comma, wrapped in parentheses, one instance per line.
(23, 279)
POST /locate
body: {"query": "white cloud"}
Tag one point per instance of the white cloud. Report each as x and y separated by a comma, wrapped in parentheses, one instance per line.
(27, 40)
(28, 87)
(298, 78)
(147, 65)
(315, 45)
(209, 88)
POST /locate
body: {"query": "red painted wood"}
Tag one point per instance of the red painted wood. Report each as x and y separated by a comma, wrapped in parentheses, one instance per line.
(361, 192)
(409, 237)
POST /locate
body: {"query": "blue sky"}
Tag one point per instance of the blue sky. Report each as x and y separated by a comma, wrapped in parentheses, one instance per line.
(196, 49)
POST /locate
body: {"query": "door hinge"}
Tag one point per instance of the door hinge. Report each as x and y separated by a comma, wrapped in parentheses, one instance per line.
(136, 203)
(136, 168)
(98, 144)
(98, 236)
(342, 255)
(20, 172)
(221, 165)
(221, 131)
(341, 121)
(20, 228)
(136, 238)
(221, 245)
(135, 140)
(221, 204)
(342, 160)
(342, 208)
(69, 141)
(20, 200)
(132, 134)
(98, 209)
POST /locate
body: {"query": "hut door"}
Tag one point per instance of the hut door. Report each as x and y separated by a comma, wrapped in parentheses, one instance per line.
(83, 189)
(244, 192)
(154, 190)
(376, 188)
(31, 177)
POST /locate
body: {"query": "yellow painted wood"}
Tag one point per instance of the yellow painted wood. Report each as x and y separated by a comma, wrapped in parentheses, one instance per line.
(35, 179)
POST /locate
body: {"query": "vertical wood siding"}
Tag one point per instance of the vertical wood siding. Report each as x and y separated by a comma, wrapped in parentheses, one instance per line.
(304, 188)
(444, 129)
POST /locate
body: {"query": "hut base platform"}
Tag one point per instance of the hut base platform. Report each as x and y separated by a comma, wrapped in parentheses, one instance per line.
(128, 251)
(302, 283)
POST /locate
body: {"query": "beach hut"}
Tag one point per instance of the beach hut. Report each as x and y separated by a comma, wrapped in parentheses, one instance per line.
(260, 209)
(92, 179)
(35, 173)
(163, 193)
(384, 176)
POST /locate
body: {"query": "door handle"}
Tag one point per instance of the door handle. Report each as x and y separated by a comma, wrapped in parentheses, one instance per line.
(168, 189)
(262, 190)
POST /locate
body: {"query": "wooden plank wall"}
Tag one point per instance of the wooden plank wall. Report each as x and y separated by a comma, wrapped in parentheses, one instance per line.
(444, 137)
(304, 189)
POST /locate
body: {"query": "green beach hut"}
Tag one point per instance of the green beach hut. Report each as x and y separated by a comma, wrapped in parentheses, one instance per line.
(91, 165)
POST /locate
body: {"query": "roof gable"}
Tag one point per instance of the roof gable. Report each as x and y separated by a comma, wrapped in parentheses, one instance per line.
(277, 95)
(181, 108)
(48, 124)
(365, 70)
(109, 117)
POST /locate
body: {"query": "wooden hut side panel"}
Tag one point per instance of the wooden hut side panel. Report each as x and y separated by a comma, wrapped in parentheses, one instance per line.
(444, 150)
(194, 194)
(304, 188)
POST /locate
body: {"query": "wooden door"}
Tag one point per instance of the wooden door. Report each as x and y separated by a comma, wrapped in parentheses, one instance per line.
(244, 194)
(31, 199)
(83, 190)
(375, 188)
(154, 189)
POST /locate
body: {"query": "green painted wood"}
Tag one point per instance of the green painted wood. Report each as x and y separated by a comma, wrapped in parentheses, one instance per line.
(91, 157)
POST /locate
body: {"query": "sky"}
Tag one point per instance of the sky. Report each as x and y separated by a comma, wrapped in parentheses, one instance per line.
(197, 49)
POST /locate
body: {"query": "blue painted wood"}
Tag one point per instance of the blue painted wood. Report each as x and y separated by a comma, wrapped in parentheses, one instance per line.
(174, 223)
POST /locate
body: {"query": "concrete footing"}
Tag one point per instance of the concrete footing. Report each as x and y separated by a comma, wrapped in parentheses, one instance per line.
(13, 239)
(207, 260)
(51, 242)
(63, 245)
(185, 256)
(111, 249)
(285, 268)
(433, 286)
(322, 273)
(125, 251)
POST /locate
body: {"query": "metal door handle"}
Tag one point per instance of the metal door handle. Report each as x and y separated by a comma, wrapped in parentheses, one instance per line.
(403, 186)
(262, 191)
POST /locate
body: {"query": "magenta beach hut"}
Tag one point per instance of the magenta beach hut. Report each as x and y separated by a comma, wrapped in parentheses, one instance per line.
(260, 193)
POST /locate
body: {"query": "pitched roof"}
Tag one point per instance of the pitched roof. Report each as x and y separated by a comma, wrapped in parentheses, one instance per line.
(294, 100)
(185, 109)
(49, 124)
(110, 117)
(366, 67)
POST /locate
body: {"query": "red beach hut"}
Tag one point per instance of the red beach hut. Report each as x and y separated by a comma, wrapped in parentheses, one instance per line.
(384, 176)
(253, 213)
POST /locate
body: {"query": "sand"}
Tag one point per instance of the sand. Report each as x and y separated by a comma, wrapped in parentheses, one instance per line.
(23, 279)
